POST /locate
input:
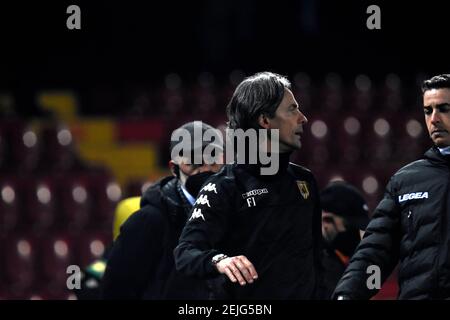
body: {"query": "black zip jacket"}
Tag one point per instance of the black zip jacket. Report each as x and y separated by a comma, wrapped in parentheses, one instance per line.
(141, 263)
(410, 225)
(275, 221)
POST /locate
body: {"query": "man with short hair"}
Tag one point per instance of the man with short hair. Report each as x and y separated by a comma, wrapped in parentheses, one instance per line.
(262, 232)
(411, 223)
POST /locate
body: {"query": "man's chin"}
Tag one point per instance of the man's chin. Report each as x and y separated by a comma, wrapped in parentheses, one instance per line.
(290, 147)
(441, 143)
(296, 146)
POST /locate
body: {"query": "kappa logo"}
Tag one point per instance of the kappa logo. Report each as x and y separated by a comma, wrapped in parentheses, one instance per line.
(203, 199)
(197, 213)
(412, 196)
(255, 192)
(210, 187)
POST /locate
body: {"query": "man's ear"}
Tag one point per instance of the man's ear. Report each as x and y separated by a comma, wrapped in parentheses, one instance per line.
(264, 121)
(173, 168)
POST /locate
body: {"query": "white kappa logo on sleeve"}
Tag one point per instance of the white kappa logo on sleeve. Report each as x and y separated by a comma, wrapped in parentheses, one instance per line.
(197, 213)
(203, 199)
(210, 187)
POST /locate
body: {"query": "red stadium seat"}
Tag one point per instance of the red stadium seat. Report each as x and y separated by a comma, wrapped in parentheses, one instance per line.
(10, 204)
(348, 139)
(361, 96)
(412, 138)
(378, 140)
(41, 204)
(202, 96)
(76, 201)
(172, 97)
(56, 253)
(106, 194)
(91, 246)
(317, 141)
(58, 153)
(331, 94)
(25, 149)
(304, 91)
(390, 94)
(19, 262)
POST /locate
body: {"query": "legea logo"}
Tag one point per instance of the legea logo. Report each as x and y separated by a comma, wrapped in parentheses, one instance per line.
(412, 196)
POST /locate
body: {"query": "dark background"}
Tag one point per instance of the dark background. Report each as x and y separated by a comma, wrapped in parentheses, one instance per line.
(137, 66)
(124, 44)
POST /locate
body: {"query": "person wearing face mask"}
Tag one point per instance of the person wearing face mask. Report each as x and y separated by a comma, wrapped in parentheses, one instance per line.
(344, 218)
(141, 263)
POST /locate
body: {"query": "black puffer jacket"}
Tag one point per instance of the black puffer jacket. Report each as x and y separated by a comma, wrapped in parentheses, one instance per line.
(273, 220)
(410, 225)
(141, 263)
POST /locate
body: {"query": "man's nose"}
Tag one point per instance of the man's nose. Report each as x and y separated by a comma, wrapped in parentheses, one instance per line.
(435, 117)
(302, 118)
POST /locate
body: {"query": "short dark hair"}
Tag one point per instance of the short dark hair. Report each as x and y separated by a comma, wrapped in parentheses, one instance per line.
(259, 94)
(436, 82)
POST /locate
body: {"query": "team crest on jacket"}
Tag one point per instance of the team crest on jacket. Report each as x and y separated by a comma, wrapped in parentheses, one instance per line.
(303, 187)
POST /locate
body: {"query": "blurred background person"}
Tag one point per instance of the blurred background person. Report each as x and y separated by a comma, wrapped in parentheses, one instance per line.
(345, 216)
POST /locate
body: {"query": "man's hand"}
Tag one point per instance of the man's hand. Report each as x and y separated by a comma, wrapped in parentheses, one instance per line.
(238, 269)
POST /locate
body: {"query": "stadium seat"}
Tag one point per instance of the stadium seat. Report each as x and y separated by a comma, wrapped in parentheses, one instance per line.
(10, 204)
(106, 194)
(25, 149)
(378, 140)
(361, 94)
(331, 94)
(91, 246)
(56, 254)
(76, 201)
(172, 96)
(202, 96)
(317, 140)
(19, 262)
(348, 139)
(58, 152)
(390, 95)
(40, 204)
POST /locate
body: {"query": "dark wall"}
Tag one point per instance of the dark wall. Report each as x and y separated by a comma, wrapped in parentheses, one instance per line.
(123, 43)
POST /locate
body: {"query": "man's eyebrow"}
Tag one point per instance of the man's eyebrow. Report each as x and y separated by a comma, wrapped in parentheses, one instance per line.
(446, 104)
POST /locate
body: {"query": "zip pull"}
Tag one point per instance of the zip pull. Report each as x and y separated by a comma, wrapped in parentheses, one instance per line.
(409, 214)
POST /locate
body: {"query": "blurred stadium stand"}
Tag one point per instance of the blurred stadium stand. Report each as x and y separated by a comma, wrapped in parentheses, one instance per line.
(62, 175)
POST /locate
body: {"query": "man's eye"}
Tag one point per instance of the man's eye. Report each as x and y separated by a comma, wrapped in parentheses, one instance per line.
(444, 109)
(328, 219)
(427, 110)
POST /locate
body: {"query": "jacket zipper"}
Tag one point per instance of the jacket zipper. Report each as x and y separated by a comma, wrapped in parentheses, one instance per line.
(410, 224)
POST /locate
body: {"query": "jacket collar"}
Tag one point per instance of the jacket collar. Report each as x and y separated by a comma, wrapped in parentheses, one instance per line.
(255, 169)
(169, 190)
(434, 155)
